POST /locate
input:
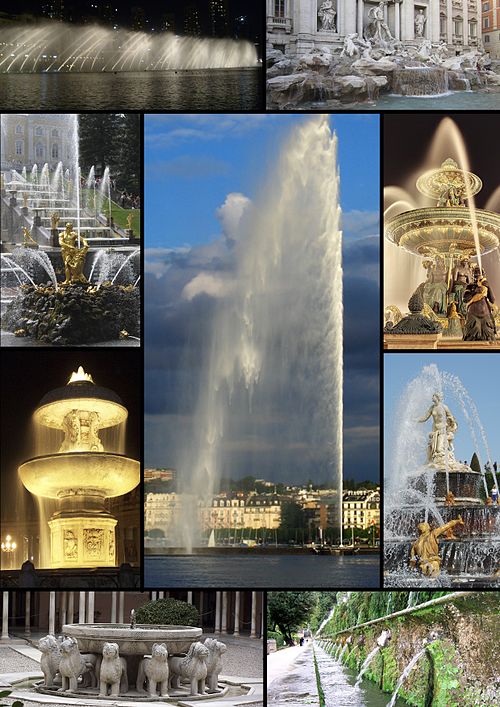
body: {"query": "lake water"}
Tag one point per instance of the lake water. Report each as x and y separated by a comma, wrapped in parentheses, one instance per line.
(214, 89)
(263, 572)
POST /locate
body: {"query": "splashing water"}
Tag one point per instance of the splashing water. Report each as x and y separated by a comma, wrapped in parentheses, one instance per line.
(404, 675)
(366, 665)
(278, 333)
(59, 47)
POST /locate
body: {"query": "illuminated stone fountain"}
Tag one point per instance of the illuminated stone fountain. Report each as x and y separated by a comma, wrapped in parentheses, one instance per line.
(81, 475)
(447, 235)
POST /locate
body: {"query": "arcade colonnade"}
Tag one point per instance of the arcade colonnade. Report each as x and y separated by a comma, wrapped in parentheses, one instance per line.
(24, 613)
(295, 27)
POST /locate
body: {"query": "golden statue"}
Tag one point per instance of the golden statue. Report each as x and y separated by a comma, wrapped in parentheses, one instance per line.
(450, 499)
(28, 238)
(129, 220)
(54, 220)
(73, 256)
(425, 550)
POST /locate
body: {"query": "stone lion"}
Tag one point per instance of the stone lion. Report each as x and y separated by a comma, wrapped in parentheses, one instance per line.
(191, 668)
(51, 657)
(112, 671)
(73, 665)
(154, 670)
(214, 662)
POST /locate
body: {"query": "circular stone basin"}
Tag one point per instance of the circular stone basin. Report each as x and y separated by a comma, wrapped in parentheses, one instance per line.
(59, 475)
(132, 641)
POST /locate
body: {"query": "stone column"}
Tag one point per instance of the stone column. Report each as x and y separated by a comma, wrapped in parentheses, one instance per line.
(161, 595)
(90, 609)
(465, 27)
(190, 598)
(433, 22)
(224, 613)
(113, 607)
(237, 614)
(254, 615)
(305, 24)
(397, 20)
(121, 607)
(449, 22)
(71, 607)
(154, 596)
(349, 15)
(361, 10)
(64, 598)
(52, 612)
(5, 617)
(27, 614)
(408, 20)
(81, 608)
(217, 612)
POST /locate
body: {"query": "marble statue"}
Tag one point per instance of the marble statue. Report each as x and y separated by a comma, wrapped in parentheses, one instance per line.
(74, 665)
(214, 663)
(420, 20)
(73, 256)
(425, 50)
(154, 671)
(377, 30)
(327, 15)
(479, 323)
(440, 450)
(354, 45)
(191, 668)
(425, 550)
(112, 671)
(51, 657)
(384, 638)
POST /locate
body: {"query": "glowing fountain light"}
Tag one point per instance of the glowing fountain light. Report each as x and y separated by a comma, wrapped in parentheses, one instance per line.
(84, 471)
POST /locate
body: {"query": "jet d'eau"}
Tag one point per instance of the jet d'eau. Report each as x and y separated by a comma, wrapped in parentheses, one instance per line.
(261, 347)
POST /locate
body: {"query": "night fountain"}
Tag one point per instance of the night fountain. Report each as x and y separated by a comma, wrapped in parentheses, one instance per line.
(430, 495)
(59, 47)
(453, 242)
(81, 473)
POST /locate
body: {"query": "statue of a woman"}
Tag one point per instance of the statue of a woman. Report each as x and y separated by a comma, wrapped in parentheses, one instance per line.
(444, 426)
(420, 20)
(327, 15)
(479, 324)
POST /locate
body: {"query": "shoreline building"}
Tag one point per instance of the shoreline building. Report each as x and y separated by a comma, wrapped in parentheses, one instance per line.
(296, 27)
(491, 27)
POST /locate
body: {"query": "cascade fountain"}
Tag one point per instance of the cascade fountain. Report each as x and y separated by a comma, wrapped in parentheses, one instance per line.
(425, 484)
(289, 249)
(80, 472)
(34, 303)
(452, 241)
(420, 81)
(69, 48)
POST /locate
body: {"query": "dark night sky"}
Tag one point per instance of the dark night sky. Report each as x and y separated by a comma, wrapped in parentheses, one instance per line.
(154, 11)
(408, 138)
(28, 374)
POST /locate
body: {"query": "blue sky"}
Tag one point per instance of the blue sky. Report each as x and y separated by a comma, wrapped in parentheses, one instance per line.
(193, 161)
(194, 165)
(479, 373)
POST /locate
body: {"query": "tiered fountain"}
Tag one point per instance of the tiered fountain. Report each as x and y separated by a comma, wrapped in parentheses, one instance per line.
(442, 518)
(82, 473)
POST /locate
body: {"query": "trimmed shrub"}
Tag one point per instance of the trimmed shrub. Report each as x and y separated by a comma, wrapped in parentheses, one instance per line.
(170, 612)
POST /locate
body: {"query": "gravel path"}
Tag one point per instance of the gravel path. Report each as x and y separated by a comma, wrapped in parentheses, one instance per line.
(12, 662)
(244, 656)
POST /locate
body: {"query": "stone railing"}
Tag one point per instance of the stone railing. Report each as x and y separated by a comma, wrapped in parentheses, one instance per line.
(284, 23)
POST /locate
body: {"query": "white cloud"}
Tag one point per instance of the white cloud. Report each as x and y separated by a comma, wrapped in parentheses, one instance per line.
(209, 284)
(231, 212)
(156, 260)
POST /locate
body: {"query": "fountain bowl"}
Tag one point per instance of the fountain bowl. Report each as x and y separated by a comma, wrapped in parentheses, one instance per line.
(132, 641)
(101, 473)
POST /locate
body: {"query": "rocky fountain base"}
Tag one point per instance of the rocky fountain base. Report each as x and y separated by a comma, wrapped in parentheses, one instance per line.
(361, 72)
(74, 314)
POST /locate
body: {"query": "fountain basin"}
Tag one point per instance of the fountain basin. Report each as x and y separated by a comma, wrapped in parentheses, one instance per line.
(132, 641)
(80, 473)
(437, 229)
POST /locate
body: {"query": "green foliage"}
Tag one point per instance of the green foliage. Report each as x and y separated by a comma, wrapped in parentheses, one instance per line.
(474, 463)
(280, 641)
(16, 703)
(170, 612)
(290, 610)
(292, 516)
(446, 674)
(321, 694)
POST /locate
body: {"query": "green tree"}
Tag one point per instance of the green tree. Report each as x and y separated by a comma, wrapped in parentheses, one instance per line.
(290, 610)
(474, 463)
(292, 516)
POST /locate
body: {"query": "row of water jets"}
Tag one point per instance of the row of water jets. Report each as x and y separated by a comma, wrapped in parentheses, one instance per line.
(58, 47)
(107, 266)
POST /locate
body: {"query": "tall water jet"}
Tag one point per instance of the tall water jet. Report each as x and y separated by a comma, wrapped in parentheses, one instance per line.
(277, 331)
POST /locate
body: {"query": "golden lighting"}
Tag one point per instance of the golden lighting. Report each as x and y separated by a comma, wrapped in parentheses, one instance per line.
(79, 376)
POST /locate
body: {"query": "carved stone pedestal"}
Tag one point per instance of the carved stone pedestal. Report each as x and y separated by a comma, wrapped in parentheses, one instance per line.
(83, 541)
(411, 341)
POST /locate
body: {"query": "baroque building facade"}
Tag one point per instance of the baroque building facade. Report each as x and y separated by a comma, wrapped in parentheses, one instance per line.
(491, 27)
(298, 26)
(29, 139)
